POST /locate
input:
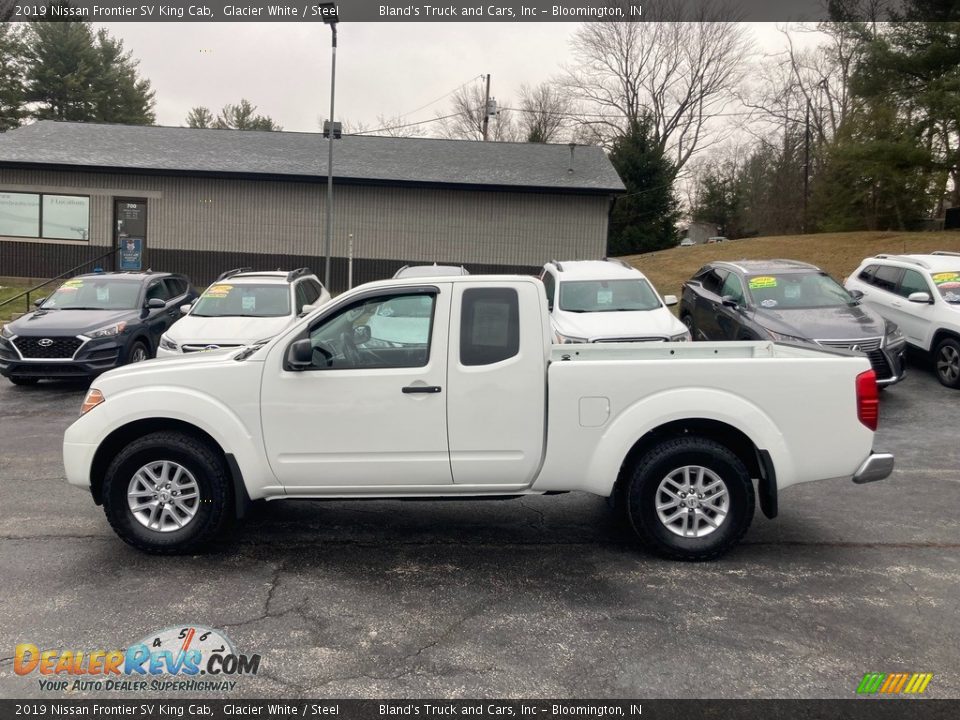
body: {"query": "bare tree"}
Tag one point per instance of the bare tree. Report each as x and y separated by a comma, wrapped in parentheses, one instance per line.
(676, 74)
(543, 113)
(465, 119)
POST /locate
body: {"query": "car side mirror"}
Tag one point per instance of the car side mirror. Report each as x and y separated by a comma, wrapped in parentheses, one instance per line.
(361, 334)
(669, 300)
(307, 309)
(155, 303)
(184, 309)
(920, 297)
(38, 302)
(857, 295)
(728, 301)
(300, 354)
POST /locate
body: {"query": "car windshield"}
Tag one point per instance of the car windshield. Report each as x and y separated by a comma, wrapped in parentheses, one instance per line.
(243, 300)
(948, 284)
(607, 296)
(797, 290)
(95, 293)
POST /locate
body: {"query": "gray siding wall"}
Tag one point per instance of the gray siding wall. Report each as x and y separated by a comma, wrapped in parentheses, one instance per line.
(287, 218)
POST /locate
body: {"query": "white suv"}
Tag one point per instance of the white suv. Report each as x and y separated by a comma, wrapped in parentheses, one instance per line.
(242, 307)
(607, 301)
(921, 294)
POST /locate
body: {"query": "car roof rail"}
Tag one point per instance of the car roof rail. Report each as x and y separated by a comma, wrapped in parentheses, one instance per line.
(557, 265)
(620, 262)
(904, 258)
(945, 252)
(231, 273)
(299, 272)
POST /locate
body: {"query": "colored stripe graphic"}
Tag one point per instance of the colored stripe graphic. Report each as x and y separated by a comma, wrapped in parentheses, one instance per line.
(894, 683)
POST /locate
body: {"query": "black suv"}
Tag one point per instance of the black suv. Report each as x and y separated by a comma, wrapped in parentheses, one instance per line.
(788, 301)
(92, 323)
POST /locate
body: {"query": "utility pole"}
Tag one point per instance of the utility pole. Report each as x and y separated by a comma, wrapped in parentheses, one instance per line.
(486, 109)
(806, 166)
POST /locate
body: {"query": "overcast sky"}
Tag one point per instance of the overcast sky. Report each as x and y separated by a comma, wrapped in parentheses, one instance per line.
(382, 68)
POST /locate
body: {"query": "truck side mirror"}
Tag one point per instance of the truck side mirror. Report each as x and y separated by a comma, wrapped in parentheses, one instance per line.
(669, 300)
(300, 354)
(920, 297)
(857, 295)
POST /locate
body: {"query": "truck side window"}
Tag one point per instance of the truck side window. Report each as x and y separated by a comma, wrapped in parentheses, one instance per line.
(489, 325)
(389, 331)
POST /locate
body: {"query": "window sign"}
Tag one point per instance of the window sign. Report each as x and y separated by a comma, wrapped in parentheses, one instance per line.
(20, 214)
(66, 217)
(131, 252)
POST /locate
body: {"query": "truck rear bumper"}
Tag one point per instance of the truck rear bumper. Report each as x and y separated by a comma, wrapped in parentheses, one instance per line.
(876, 467)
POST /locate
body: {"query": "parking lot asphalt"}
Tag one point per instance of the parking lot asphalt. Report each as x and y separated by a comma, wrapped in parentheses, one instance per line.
(540, 597)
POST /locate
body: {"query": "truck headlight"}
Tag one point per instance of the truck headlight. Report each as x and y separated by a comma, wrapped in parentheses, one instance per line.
(168, 344)
(109, 330)
(682, 337)
(565, 339)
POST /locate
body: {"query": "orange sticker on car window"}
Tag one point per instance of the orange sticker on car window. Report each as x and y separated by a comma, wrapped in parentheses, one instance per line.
(761, 282)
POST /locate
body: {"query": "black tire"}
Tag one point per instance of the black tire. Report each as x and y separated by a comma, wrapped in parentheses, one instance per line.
(214, 511)
(22, 381)
(660, 462)
(946, 362)
(138, 352)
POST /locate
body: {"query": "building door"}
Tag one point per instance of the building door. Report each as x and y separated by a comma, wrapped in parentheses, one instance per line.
(130, 239)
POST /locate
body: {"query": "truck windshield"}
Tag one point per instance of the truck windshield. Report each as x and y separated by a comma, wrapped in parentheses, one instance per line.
(243, 300)
(797, 290)
(607, 296)
(948, 284)
(95, 293)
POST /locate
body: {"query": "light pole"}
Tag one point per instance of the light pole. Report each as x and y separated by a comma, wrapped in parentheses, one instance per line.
(329, 11)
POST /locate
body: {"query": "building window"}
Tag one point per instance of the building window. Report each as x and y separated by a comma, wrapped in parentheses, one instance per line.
(38, 215)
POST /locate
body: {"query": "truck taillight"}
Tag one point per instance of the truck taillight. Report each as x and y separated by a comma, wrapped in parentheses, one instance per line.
(868, 399)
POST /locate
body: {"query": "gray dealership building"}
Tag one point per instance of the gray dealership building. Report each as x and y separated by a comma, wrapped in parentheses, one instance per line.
(201, 201)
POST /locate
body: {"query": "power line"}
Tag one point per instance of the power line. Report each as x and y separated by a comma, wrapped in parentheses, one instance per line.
(398, 127)
(459, 87)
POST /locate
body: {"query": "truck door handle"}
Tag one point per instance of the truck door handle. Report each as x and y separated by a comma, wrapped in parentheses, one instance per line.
(895, 304)
(422, 389)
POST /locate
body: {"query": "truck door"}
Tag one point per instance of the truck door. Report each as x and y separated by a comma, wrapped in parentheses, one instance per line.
(496, 380)
(370, 410)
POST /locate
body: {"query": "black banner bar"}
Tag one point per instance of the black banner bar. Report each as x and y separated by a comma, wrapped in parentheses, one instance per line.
(326, 709)
(107, 11)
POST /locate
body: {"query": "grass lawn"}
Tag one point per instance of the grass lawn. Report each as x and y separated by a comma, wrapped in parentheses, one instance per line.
(10, 289)
(838, 254)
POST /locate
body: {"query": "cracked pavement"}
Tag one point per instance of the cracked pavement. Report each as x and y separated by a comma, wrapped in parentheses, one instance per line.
(540, 597)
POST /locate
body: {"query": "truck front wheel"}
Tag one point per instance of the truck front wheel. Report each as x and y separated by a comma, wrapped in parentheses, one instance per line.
(167, 493)
(690, 498)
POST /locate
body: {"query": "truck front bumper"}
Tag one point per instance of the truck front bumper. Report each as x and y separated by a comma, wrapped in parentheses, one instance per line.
(876, 467)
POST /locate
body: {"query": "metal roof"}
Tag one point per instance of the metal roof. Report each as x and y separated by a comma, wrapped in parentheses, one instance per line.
(359, 158)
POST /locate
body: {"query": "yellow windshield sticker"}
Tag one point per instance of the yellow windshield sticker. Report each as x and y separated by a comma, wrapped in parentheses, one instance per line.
(72, 284)
(218, 291)
(946, 277)
(764, 281)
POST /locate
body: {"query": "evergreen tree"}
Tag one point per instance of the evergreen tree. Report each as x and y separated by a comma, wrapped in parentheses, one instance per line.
(12, 109)
(645, 218)
(78, 75)
(243, 117)
(200, 117)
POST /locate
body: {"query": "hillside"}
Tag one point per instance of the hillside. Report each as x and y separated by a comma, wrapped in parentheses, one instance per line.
(837, 253)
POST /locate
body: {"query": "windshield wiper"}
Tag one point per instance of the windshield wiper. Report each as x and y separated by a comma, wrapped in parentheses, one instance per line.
(250, 350)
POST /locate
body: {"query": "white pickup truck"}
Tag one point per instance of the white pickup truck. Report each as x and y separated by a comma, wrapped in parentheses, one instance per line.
(457, 390)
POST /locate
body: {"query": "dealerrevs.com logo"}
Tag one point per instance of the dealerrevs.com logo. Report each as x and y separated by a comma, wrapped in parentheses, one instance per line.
(192, 658)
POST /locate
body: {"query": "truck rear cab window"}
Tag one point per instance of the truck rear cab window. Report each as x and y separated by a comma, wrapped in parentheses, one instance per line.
(489, 325)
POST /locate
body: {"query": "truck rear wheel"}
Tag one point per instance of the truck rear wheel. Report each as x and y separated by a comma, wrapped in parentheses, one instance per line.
(167, 493)
(690, 498)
